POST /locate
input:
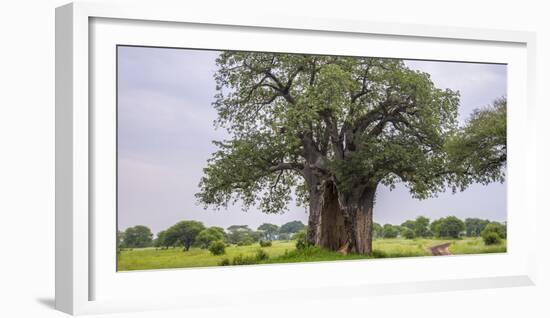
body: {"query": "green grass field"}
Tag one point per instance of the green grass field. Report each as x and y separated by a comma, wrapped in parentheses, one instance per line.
(285, 252)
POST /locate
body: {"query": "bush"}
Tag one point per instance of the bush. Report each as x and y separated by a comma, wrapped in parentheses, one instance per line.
(261, 255)
(390, 231)
(495, 227)
(246, 242)
(209, 235)
(217, 248)
(225, 262)
(301, 239)
(244, 260)
(491, 238)
(265, 243)
(407, 233)
(448, 227)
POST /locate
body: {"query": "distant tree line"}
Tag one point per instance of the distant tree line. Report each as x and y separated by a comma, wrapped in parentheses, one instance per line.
(446, 227)
(188, 233)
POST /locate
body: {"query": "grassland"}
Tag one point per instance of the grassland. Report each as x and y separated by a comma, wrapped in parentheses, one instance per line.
(285, 252)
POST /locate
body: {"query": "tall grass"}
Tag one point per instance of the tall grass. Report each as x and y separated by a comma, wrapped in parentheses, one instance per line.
(286, 252)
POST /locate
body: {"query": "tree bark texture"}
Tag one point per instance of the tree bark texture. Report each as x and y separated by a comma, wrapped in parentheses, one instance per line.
(341, 222)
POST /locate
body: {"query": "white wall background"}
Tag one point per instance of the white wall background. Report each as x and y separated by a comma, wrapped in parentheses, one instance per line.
(27, 159)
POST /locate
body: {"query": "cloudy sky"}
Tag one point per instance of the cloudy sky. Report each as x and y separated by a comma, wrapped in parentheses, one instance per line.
(165, 130)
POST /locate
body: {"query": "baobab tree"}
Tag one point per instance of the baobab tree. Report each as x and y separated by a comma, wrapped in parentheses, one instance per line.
(331, 130)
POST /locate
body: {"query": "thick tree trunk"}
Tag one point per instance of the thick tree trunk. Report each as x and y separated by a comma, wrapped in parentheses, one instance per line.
(357, 211)
(326, 221)
(340, 221)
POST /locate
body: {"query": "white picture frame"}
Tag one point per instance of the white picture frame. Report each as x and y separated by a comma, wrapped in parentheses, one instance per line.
(86, 283)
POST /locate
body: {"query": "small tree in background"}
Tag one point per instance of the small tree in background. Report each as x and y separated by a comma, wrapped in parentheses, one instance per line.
(450, 227)
(217, 247)
(420, 227)
(184, 233)
(292, 227)
(474, 226)
(390, 231)
(377, 231)
(269, 231)
(137, 236)
(160, 241)
(209, 235)
(496, 228)
(407, 233)
(408, 224)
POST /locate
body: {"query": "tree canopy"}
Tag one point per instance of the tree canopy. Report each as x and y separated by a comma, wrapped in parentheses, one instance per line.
(270, 230)
(183, 233)
(292, 227)
(356, 120)
(137, 236)
(209, 235)
(330, 129)
(477, 151)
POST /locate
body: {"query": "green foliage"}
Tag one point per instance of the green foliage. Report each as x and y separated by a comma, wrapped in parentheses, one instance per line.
(242, 235)
(407, 233)
(217, 247)
(286, 252)
(477, 152)
(390, 231)
(269, 231)
(137, 236)
(287, 113)
(408, 224)
(225, 262)
(265, 243)
(491, 238)
(448, 227)
(301, 239)
(160, 240)
(209, 235)
(474, 226)
(244, 260)
(245, 242)
(261, 255)
(284, 236)
(420, 227)
(494, 227)
(183, 233)
(377, 231)
(292, 227)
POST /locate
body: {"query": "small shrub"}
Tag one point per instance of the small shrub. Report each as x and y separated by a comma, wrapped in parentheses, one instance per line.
(491, 238)
(379, 254)
(301, 239)
(408, 233)
(495, 227)
(245, 242)
(261, 255)
(217, 248)
(265, 243)
(244, 260)
(225, 262)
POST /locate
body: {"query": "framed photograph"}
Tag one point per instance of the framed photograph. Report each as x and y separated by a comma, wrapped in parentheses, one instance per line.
(274, 159)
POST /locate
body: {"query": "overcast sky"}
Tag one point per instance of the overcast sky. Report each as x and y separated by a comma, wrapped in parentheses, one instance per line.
(165, 122)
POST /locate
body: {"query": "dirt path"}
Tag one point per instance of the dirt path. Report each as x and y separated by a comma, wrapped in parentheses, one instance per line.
(441, 249)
